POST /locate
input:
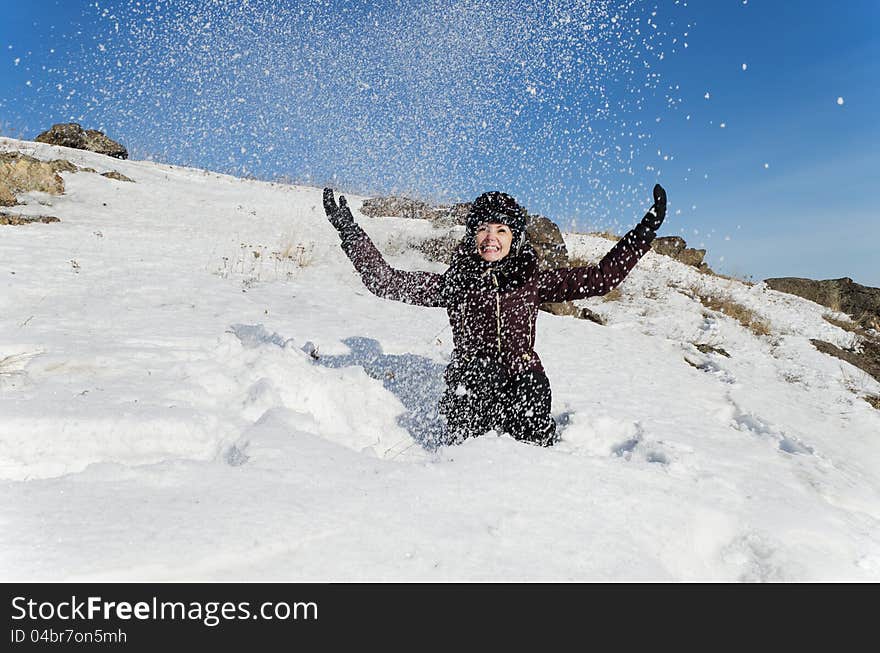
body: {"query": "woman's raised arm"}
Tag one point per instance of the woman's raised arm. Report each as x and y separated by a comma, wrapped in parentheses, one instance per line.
(566, 284)
(419, 288)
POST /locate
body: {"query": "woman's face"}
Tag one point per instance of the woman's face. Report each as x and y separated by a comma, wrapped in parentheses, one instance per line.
(493, 241)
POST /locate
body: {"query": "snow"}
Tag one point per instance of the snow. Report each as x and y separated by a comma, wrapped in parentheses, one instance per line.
(173, 407)
(485, 85)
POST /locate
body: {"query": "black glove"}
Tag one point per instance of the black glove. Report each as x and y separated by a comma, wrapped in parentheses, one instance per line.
(340, 216)
(655, 215)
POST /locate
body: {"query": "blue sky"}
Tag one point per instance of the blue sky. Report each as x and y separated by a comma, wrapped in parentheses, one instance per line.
(575, 108)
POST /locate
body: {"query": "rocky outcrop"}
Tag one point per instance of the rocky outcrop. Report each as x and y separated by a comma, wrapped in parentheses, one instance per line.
(15, 219)
(862, 303)
(675, 247)
(64, 134)
(20, 173)
(7, 197)
(866, 357)
(570, 309)
(442, 216)
(439, 249)
(118, 176)
(399, 207)
(72, 134)
(546, 238)
(101, 144)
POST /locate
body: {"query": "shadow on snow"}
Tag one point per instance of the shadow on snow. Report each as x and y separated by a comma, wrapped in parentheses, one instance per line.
(415, 380)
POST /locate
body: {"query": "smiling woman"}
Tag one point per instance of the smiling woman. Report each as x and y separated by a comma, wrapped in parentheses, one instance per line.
(493, 241)
(491, 293)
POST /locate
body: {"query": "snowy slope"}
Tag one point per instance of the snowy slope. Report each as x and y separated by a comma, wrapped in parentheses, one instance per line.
(162, 417)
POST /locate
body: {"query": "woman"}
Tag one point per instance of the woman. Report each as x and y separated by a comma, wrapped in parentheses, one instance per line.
(491, 293)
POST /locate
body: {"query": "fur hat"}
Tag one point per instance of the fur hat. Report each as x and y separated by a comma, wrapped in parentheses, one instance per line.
(495, 207)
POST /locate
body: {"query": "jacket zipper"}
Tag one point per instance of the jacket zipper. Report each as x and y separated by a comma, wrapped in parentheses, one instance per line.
(497, 309)
(530, 327)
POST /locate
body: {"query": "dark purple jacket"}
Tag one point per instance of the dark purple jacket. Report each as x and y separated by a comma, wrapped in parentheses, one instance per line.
(493, 313)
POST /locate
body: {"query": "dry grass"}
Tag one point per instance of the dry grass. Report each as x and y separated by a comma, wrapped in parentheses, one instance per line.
(858, 326)
(738, 312)
(301, 254)
(258, 263)
(9, 364)
(874, 400)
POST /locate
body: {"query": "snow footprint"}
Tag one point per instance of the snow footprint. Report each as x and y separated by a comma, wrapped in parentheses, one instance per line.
(707, 359)
(750, 423)
(757, 557)
(606, 436)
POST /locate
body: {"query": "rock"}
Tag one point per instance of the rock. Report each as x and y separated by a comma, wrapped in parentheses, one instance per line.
(7, 197)
(867, 360)
(569, 309)
(62, 165)
(442, 216)
(118, 176)
(68, 134)
(22, 173)
(546, 239)
(439, 249)
(15, 219)
(97, 142)
(400, 207)
(72, 134)
(675, 247)
(862, 303)
(670, 246)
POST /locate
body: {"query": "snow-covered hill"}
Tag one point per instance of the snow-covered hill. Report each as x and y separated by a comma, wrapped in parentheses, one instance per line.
(195, 385)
